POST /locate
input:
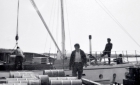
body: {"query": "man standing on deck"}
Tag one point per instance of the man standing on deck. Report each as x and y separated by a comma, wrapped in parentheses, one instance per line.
(107, 50)
(19, 58)
(77, 61)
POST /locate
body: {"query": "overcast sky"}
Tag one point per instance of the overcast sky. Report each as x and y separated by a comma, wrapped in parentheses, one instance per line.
(82, 18)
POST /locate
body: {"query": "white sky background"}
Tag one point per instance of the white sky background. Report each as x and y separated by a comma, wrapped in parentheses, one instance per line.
(82, 18)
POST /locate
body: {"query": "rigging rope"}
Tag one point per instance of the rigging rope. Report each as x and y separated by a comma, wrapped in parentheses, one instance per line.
(52, 25)
(68, 25)
(17, 37)
(119, 24)
(49, 25)
(45, 44)
(57, 23)
(14, 48)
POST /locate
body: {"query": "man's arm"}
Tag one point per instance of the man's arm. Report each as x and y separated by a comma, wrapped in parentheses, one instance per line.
(84, 58)
(111, 46)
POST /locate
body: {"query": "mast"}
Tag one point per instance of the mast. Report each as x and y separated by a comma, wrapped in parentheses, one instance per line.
(63, 32)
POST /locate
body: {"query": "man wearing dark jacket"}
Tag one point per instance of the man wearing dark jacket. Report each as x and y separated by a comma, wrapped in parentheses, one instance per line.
(77, 61)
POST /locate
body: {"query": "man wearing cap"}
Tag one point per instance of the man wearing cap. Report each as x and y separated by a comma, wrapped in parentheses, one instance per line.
(107, 50)
(77, 61)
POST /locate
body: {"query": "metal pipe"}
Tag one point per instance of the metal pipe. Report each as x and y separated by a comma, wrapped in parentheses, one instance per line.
(90, 47)
(123, 55)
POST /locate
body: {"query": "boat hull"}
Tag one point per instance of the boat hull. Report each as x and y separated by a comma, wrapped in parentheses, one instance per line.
(104, 74)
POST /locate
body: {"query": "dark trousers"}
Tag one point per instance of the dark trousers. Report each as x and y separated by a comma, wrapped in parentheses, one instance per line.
(18, 61)
(107, 53)
(77, 67)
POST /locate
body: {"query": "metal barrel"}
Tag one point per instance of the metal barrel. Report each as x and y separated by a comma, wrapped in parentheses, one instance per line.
(24, 81)
(19, 80)
(17, 74)
(62, 78)
(28, 76)
(34, 82)
(20, 84)
(14, 84)
(71, 78)
(12, 79)
(3, 81)
(7, 84)
(11, 74)
(66, 82)
(44, 79)
(54, 73)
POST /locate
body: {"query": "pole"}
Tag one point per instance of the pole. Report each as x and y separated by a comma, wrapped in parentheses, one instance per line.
(127, 56)
(90, 48)
(136, 56)
(63, 32)
(116, 54)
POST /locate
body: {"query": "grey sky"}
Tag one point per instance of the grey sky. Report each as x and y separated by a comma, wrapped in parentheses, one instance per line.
(82, 18)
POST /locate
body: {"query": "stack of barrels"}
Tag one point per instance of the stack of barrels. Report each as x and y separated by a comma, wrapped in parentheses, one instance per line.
(57, 77)
(21, 78)
(49, 77)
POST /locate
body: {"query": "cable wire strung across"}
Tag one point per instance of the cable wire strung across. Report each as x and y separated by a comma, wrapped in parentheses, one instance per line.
(117, 22)
(16, 38)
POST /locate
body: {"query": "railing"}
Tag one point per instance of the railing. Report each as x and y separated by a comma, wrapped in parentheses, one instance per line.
(128, 56)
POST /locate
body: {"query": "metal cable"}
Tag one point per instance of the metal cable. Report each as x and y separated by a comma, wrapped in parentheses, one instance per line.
(16, 38)
(68, 25)
(117, 22)
(49, 25)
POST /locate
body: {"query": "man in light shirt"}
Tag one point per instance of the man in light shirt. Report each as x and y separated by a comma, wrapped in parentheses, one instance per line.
(19, 58)
(77, 61)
